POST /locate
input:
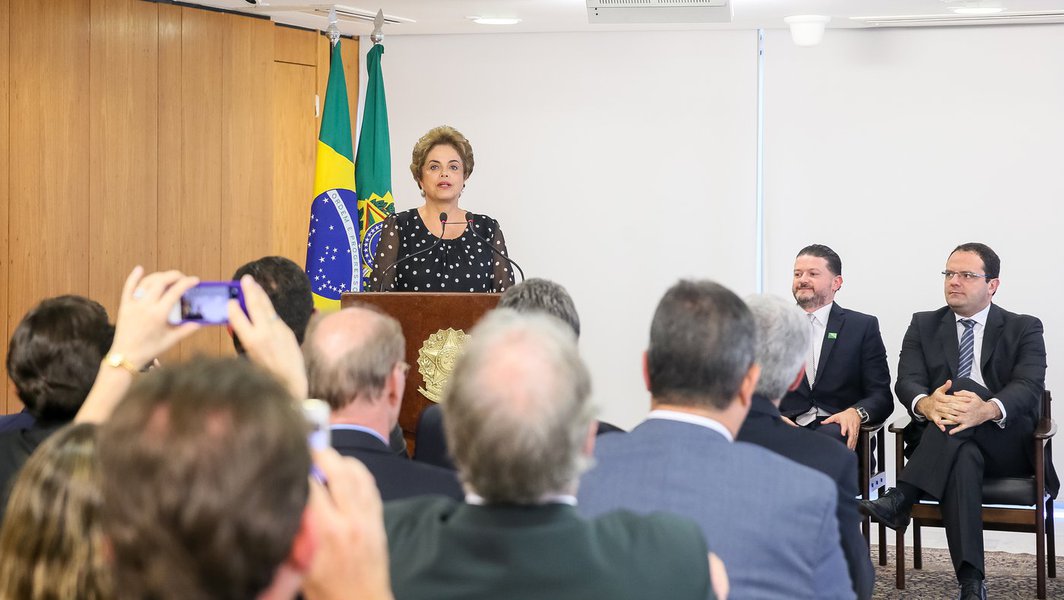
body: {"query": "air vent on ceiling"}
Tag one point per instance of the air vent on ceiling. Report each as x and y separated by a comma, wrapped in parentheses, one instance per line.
(953, 20)
(659, 11)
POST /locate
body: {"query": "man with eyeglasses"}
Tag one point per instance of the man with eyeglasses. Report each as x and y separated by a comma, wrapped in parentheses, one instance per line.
(976, 373)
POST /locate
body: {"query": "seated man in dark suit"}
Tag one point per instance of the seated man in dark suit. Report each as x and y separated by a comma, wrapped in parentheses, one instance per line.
(976, 372)
(52, 359)
(847, 381)
(355, 363)
(782, 343)
(519, 421)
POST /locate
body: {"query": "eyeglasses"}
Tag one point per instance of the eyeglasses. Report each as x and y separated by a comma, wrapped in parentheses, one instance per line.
(964, 275)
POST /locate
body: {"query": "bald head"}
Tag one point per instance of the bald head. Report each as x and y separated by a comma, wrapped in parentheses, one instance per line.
(517, 411)
(351, 353)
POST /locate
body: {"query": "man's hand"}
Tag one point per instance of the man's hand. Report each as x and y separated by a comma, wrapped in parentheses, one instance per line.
(933, 407)
(967, 410)
(351, 560)
(267, 339)
(788, 421)
(849, 424)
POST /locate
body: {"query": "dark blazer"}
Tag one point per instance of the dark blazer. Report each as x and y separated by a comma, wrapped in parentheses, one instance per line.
(1012, 361)
(15, 449)
(445, 550)
(852, 371)
(397, 477)
(764, 427)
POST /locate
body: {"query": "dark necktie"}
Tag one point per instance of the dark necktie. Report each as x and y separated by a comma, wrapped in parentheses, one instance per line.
(967, 350)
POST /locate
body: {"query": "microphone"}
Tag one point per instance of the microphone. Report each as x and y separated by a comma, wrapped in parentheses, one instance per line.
(443, 227)
(472, 230)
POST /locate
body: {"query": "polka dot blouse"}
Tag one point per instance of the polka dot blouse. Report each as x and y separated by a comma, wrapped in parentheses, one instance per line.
(464, 264)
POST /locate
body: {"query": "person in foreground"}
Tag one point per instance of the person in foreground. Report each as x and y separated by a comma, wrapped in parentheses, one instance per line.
(771, 520)
(975, 372)
(461, 258)
(205, 466)
(519, 422)
(355, 364)
(51, 544)
(846, 380)
(782, 344)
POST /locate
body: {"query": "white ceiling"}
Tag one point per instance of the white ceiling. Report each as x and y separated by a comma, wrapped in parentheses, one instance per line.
(452, 16)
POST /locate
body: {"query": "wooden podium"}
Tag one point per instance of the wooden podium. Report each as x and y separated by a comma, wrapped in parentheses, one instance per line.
(430, 347)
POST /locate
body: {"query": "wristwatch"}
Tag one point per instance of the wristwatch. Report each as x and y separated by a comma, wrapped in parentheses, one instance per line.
(861, 412)
(119, 361)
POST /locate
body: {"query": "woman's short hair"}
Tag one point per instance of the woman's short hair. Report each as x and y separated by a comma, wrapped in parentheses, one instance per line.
(55, 353)
(51, 544)
(444, 135)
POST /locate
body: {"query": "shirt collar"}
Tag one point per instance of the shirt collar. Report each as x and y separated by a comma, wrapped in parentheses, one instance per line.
(352, 427)
(477, 500)
(979, 317)
(823, 313)
(693, 419)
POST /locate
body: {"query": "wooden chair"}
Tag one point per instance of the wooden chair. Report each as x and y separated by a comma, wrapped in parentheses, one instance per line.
(1009, 504)
(872, 481)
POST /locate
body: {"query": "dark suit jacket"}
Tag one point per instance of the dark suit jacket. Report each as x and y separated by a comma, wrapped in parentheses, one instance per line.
(852, 371)
(444, 550)
(397, 477)
(15, 449)
(764, 427)
(1012, 361)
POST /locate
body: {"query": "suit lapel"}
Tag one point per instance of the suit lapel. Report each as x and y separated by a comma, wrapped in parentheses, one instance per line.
(947, 340)
(995, 323)
(836, 320)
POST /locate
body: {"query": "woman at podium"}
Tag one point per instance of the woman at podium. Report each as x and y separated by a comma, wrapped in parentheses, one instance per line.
(439, 247)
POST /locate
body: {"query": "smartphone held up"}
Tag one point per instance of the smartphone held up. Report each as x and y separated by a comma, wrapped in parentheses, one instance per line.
(207, 303)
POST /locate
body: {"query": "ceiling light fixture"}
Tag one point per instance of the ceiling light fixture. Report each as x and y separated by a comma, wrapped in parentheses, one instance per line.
(807, 30)
(496, 20)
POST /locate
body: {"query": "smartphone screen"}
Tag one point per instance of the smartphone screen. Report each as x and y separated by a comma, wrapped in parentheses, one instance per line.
(207, 303)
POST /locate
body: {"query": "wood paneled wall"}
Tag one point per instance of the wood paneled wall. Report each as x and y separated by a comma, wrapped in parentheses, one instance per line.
(133, 132)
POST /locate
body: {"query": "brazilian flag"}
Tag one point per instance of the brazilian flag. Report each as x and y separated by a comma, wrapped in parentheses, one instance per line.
(373, 165)
(333, 263)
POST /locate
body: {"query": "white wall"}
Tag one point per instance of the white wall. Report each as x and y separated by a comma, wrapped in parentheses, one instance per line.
(620, 162)
(894, 146)
(616, 164)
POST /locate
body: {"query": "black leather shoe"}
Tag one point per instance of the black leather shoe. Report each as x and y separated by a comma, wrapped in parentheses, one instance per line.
(891, 509)
(973, 590)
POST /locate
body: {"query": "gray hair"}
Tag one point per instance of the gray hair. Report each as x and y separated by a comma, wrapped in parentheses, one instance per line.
(351, 364)
(542, 295)
(782, 342)
(517, 410)
(701, 345)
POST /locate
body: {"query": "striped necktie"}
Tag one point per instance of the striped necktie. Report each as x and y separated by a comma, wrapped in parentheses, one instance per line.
(967, 349)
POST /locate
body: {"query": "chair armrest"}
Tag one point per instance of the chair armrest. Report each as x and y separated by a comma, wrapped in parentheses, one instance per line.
(899, 425)
(1046, 429)
(871, 428)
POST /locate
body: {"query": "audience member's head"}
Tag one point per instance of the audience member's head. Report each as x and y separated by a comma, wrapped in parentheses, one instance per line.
(204, 472)
(288, 287)
(55, 353)
(782, 342)
(517, 412)
(701, 349)
(545, 296)
(51, 544)
(356, 356)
